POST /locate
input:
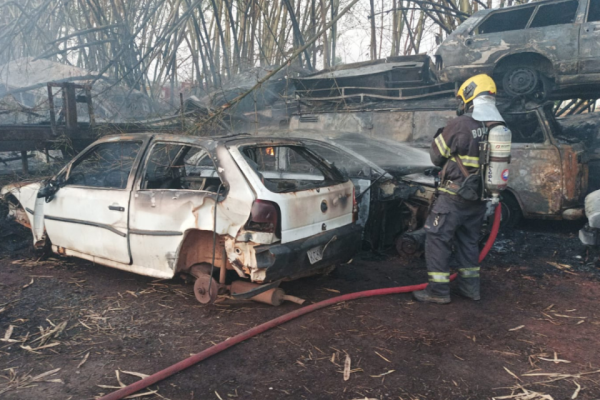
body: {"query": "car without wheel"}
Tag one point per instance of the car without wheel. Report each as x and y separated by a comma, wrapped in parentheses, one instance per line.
(161, 205)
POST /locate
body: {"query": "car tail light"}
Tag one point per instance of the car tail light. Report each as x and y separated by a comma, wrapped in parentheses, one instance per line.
(264, 217)
(354, 206)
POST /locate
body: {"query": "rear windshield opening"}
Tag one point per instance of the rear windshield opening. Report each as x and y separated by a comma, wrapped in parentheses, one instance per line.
(290, 168)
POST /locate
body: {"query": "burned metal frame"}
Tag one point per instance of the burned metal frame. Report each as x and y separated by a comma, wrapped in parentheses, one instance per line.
(392, 78)
(550, 178)
(70, 100)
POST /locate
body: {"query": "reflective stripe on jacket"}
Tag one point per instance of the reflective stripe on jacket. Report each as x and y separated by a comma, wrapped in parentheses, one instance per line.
(461, 138)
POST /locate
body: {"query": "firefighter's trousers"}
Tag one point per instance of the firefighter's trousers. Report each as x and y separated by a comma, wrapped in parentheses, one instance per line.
(453, 220)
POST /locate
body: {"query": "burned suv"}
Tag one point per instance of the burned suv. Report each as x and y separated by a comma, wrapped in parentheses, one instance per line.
(534, 49)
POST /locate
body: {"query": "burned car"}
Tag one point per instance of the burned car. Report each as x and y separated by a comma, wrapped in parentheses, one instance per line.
(548, 171)
(549, 168)
(529, 49)
(393, 194)
(160, 205)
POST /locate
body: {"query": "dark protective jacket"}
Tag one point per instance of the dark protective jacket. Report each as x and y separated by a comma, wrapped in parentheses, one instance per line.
(461, 138)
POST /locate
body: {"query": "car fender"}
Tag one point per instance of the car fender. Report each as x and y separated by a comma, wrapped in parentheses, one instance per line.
(30, 209)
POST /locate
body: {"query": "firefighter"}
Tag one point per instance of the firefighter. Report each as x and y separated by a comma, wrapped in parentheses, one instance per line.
(457, 213)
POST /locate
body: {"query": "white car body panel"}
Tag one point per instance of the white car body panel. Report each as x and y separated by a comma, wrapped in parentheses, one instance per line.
(105, 233)
(301, 214)
(161, 218)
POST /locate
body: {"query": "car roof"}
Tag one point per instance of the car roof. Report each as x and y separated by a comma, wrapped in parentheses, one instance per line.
(232, 139)
(482, 13)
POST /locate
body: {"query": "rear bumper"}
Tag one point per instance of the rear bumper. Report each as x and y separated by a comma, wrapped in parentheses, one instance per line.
(290, 260)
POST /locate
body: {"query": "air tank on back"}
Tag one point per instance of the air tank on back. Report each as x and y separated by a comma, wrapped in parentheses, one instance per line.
(498, 158)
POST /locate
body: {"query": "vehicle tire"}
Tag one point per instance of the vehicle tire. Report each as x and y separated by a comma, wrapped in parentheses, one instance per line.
(546, 87)
(511, 211)
(522, 81)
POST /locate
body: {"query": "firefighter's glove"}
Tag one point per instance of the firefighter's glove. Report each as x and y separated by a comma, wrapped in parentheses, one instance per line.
(433, 171)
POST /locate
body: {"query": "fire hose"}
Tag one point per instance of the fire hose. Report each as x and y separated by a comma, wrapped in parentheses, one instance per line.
(211, 351)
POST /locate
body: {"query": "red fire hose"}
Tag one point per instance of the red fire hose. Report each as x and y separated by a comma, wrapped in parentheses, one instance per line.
(493, 233)
(196, 358)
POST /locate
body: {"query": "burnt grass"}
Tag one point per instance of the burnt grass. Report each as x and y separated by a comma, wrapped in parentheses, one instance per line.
(531, 313)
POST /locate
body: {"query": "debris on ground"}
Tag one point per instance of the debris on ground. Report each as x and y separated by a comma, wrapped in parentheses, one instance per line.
(97, 320)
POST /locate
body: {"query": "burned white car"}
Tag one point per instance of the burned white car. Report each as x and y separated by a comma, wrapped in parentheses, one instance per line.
(160, 205)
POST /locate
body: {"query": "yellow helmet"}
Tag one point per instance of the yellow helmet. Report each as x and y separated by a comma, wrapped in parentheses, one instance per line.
(474, 86)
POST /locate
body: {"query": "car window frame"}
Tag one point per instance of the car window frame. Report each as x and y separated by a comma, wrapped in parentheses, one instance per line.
(501, 11)
(144, 165)
(587, 13)
(333, 169)
(548, 137)
(342, 150)
(578, 13)
(66, 171)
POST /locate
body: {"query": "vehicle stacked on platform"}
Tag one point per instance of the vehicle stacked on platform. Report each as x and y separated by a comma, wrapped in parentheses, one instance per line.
(542, 48)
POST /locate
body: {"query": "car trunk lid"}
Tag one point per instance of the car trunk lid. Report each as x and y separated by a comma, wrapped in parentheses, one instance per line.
(311, 194)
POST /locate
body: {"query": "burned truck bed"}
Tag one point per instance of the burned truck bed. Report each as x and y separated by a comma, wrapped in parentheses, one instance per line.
(393, 78)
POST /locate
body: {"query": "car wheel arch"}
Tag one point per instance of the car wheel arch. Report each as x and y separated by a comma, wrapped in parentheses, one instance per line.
(13, 202)
(539, 61)
(197, 248)
(512, 200)
(24, 217)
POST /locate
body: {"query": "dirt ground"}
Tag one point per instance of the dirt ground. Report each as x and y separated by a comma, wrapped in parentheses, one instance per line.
(534, 318)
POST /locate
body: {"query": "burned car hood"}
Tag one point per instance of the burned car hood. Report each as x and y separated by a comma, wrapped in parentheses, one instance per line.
(420, 178)
(397, 159)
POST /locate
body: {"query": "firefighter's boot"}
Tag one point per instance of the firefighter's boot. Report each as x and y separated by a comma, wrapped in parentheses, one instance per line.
(468, 283)
(426, 297)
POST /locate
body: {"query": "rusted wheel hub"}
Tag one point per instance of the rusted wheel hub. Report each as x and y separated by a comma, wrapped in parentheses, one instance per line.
(201, 289)
(520, 81)
(406, 245)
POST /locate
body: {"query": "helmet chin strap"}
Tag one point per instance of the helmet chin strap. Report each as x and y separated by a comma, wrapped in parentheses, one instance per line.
(461, 108)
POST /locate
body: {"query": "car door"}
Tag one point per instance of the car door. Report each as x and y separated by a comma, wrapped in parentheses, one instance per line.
(496, 35)
(89, 214)
(175, 193)
(589, 40)
(536, 175)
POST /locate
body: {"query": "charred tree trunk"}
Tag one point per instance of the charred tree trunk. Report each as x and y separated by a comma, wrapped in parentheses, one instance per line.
(373, 32)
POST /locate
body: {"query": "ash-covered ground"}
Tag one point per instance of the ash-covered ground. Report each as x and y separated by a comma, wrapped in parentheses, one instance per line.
(536, 330)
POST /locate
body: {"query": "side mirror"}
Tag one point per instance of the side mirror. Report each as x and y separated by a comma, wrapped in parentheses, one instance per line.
(48, 190)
